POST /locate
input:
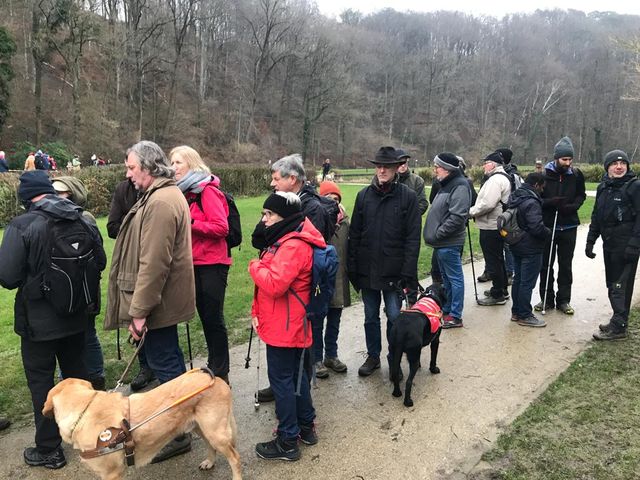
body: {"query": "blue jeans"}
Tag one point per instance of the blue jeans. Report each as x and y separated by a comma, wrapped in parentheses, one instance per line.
(508, 259)
(371, 299)
(453, 279)
(526, 271)
(291, 410)
(330, 341)
(164, 354)
(93, 350)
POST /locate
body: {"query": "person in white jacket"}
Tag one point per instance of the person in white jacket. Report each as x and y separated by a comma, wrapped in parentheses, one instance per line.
(493, 196)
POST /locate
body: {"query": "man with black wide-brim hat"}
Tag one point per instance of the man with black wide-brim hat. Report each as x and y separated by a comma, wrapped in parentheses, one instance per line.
(384, 243)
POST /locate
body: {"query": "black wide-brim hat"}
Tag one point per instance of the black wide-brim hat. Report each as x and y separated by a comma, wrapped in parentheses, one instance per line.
(387, 156)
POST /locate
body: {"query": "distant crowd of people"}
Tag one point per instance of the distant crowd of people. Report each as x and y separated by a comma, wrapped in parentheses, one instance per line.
(174, 228)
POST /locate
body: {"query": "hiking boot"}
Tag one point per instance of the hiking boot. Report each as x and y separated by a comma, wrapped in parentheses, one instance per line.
(54, 459)
(539, 307)
(532, 321)
(566, 308)
(145, 377)
(308, 434)
(265, 395)
(451, 322)
(490, 301)
(485, 277)
(278, 449)
(179, 445)
(4, 423)
(611, 334)
(321, 370)
(335, 364)
(98, 383)
(604, 327)
(505, 294)
(369, 365)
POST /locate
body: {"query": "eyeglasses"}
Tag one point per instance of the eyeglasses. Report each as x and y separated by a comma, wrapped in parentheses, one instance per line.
(267, 213)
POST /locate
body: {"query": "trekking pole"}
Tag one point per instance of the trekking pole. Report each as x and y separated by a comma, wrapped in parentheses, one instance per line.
(546, 283)
(189, 346)
(256, 404)
(248, 357)
(473, 269)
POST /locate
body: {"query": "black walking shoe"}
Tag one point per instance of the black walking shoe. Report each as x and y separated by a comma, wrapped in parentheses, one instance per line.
(278, 449)
(611, 334)
(490, 301)
(539, 307)
(53, 460)
(145, 377)
(308, 434)
(604, 327)
(335, 364)
(485, 277)
(266, 395)
(369, 365)
(532, 321)
(505, 294)
(566, 308)
(321, 370)
(177, 446)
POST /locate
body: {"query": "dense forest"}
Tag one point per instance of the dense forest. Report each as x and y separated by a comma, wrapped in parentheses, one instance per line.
(244, 81)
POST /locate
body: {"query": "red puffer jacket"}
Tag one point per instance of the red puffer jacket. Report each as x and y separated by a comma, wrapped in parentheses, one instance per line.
(281, 316)
(209, 226)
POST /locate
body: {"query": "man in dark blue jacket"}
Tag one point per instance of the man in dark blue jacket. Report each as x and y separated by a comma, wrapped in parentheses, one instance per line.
(46, 336)
(384, 244)
(527, 252)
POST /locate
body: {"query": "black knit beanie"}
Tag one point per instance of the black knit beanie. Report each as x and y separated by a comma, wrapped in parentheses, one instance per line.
(448, 161)
(506, 153)
(564, 148)
(283, 206)
(495, 157)
(34, 183)
(614, 156)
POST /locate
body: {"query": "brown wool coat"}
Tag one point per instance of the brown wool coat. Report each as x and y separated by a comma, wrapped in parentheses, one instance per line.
(341, 295)
(152, 267)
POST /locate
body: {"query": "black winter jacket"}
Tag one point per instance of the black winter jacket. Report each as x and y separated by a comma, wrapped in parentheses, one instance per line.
(124, 197)
(570, 187)
(615, 213)
(384, 237)
(529, 216)
(323, 212)
(22, 260)
(447, 217)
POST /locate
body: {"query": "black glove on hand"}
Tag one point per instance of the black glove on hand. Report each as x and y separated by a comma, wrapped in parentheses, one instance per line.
(554, 201)
(631, 254)
(589, 251)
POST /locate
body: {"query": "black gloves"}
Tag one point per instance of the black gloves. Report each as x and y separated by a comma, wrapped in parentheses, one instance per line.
(554, 202)
(589, 251)
(631, 253)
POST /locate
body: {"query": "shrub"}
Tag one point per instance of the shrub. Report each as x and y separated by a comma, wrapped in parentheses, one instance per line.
(592, 173)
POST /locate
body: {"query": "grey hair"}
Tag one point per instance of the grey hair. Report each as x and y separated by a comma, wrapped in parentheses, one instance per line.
(290, 197)
(290, 165)
(152, 159)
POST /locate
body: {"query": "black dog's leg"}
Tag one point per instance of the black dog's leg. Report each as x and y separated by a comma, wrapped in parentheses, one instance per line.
(413, 357)
(435, 343)
(396, 359)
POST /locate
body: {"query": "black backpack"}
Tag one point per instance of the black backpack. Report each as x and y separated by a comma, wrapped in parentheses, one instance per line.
(234, 237)
(331, 210)
(71, 275)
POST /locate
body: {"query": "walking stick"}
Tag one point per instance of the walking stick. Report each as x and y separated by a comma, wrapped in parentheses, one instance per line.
(189, 346)
(248, 357)
(546, 283)
(473, 270)
(256, 404)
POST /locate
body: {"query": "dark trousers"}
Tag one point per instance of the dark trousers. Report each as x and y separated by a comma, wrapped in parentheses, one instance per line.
(164, 355)
(436, 274)
(211, 284)
(93, 352)
(526, 271)
(39, 360)
(329, 342)
(621, 276)
(564, 243)
(291, 410)
(492, 249)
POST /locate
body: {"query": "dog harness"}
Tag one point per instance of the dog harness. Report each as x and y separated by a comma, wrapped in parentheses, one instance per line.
(429, 307)
(114, 439)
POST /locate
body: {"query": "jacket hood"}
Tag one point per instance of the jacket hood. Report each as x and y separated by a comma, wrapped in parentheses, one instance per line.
(522, 194)
(308, 233)
(57, 207)
(551, 167)
(77, 189)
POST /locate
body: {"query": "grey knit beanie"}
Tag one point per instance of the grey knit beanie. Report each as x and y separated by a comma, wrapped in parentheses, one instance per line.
(564, 148)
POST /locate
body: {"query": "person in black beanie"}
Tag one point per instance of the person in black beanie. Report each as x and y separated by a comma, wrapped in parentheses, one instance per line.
(615, 218)
(282, 276)
(47, 338)
(563, 195)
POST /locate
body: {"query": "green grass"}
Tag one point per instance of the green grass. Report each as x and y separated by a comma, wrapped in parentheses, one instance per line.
(14, 396)
(586, 425)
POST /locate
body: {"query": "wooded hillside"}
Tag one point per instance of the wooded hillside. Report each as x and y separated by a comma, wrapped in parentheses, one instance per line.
(248, 80)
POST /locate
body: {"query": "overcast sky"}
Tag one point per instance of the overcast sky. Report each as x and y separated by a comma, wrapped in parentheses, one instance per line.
(496, 8)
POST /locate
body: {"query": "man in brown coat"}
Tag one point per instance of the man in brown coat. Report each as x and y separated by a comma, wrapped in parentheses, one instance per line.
(151, 283)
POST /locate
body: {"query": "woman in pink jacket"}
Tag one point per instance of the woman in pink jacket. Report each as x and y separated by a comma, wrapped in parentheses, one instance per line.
(211, 258)
(283, 285)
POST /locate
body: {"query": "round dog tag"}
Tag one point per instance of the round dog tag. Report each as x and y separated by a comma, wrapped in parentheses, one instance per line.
(105, 435)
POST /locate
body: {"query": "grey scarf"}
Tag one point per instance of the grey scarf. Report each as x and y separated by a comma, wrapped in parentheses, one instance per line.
(192, 180)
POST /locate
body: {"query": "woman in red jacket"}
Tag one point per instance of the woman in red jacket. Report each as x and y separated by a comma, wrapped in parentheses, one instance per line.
(282, 274)
(211, 258)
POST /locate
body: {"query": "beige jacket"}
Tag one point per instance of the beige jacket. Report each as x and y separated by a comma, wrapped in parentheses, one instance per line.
(488, 206)
(152, 268)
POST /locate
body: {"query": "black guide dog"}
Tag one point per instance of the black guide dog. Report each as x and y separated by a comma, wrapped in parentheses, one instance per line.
(412, 331)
